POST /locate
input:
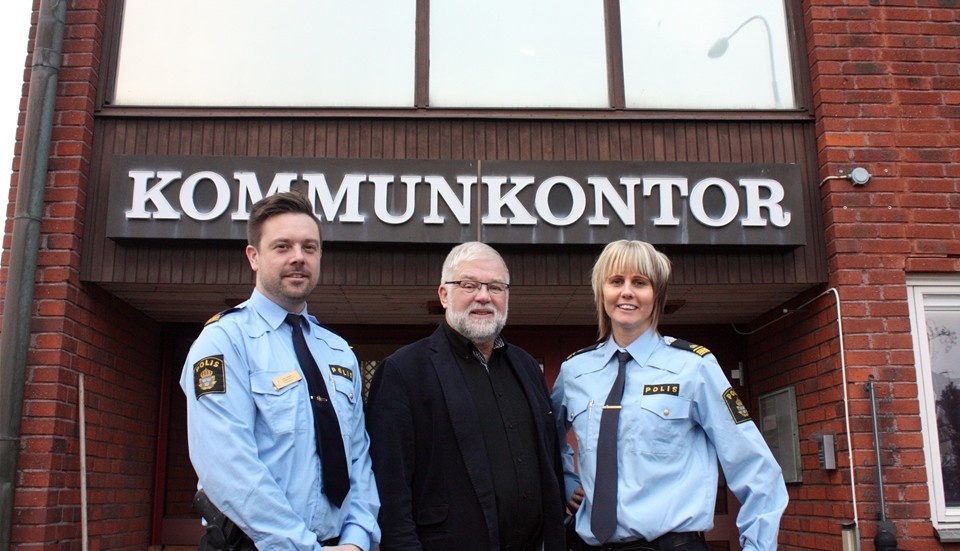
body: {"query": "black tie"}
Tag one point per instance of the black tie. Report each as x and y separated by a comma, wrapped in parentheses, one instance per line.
(603, 517)
(336, 481)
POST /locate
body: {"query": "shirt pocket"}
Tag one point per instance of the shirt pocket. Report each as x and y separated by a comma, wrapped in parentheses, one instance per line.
(344, 402)
(585, 422)
(280, 410)
(658, 424)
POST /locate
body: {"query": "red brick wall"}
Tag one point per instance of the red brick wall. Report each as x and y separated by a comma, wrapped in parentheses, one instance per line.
(801, 351)
(886, 89)
(77, 328)
(96, 338)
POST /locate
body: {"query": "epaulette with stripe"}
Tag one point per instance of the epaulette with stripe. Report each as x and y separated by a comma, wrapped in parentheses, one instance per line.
(313, 319)
(695, 348)
(216, 317)
(593, 346)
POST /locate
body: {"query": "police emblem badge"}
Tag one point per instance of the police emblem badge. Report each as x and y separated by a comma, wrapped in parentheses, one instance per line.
(737, 410)
(208, 376)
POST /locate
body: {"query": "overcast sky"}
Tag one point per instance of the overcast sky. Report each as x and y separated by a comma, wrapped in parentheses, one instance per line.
(14, 26)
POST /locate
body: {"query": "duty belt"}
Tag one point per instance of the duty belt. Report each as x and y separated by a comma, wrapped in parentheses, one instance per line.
(665, 542)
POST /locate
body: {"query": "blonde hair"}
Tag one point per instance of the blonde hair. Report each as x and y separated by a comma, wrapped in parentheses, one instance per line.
(628, 257)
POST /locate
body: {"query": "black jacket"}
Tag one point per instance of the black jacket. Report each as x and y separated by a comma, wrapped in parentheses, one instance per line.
(436, 489)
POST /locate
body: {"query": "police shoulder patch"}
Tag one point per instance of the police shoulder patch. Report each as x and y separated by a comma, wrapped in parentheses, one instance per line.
(593, 346)
(209, 376)
(737, 410)
(216, 317)
(695, 348)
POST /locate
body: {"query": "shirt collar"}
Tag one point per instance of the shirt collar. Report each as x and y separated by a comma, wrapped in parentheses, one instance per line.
(462, 346)
(640, 349)
(271, 312)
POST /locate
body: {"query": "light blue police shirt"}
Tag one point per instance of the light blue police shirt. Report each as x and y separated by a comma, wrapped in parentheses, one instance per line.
(679, 416)
(251, 433)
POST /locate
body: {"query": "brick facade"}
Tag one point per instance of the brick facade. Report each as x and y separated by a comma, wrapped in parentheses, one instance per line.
(885, 80)
(79, 329)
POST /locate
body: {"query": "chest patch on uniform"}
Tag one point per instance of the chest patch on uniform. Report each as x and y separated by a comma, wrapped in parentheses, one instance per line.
(671, 389)
(341, 371)
(737, 410)
(208, 376)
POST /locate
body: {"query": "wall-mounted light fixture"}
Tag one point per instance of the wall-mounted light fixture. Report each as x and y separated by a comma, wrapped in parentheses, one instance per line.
(858, 176)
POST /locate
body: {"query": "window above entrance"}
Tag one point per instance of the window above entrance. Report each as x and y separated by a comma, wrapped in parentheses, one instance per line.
(447, 54)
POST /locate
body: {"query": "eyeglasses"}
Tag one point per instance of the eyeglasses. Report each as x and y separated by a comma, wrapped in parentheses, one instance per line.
(471, 287)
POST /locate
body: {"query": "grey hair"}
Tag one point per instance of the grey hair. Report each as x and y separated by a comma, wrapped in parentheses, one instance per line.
(465, 252)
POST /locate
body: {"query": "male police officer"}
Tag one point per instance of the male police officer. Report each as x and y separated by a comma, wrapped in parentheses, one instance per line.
(265, 383)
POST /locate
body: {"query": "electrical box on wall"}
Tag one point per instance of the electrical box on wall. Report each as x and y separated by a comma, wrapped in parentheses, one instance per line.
(827, 452)
(778, 424)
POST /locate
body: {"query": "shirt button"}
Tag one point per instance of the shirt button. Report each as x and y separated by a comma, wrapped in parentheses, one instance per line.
(666, 412)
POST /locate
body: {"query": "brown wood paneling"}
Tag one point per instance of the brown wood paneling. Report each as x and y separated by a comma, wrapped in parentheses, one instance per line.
(135, 270)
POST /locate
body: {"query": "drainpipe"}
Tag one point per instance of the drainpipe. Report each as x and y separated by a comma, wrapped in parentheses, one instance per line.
(886, 538)
(18, 299)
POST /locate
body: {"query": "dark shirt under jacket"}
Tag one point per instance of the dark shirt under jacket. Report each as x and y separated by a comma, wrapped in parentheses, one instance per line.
(509, 438)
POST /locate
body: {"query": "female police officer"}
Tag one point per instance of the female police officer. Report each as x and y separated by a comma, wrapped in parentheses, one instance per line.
(649, 439)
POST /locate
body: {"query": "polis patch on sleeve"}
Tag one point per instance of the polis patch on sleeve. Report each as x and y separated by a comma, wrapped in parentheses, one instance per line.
(208, 376)
(737, 410)
(341, 371)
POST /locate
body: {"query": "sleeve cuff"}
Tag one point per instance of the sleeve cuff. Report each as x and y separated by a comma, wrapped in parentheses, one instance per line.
(354, 535)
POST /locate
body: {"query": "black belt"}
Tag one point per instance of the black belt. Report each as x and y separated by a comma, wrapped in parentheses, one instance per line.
(665, 542)
(247, 543)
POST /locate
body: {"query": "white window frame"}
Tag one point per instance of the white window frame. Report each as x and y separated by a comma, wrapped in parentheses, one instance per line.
(927, 293)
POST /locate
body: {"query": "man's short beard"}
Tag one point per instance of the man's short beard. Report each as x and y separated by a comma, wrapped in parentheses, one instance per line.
(478, 330)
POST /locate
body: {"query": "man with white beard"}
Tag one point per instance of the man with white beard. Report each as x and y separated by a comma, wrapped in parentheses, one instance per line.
(462, 435)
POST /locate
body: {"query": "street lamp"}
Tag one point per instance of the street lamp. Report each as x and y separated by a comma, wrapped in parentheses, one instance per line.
(720, 47)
